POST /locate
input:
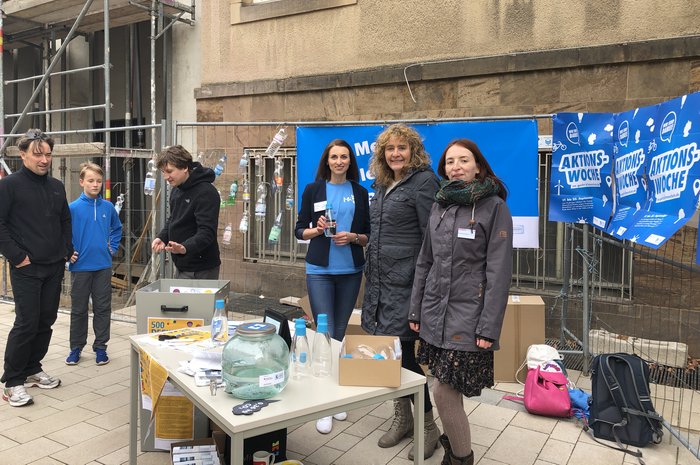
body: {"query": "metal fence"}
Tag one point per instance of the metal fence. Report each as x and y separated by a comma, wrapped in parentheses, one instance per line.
(614, 294)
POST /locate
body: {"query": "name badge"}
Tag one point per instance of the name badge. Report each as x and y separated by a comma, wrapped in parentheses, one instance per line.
(466, 233)
(319, 206)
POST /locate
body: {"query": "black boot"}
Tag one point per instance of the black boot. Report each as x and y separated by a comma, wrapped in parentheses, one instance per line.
(445, 442)
(468, 460)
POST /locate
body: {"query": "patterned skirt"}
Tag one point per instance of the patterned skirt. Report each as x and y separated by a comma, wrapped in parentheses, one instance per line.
(466, 372)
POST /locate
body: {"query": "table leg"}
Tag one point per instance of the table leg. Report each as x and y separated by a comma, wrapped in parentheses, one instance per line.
(418, 426)
(134, 383)
(237, 449)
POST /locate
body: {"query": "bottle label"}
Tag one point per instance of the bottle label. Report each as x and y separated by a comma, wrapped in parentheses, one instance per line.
(246, 196)
(150, 183)
(302, 357)
(271, 379)
(227, 235)
(260, 209)
(274, 234)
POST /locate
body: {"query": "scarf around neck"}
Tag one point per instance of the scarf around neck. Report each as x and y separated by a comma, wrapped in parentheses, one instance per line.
(459, 192)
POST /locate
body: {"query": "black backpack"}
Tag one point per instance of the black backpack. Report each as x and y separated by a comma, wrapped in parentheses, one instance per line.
(621, 408)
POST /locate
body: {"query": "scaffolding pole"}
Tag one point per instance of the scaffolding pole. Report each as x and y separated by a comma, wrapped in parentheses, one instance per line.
(49, 69)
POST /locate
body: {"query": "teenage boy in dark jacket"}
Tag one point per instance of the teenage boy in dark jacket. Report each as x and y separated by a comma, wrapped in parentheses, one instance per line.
(35, 236)
(190, 232)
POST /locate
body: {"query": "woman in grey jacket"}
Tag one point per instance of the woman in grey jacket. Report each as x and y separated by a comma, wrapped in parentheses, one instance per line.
(405, 187)
(461, 288)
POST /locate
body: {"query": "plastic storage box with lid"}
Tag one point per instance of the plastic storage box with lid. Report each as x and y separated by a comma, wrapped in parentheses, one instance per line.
(178, 298)
(169, 298)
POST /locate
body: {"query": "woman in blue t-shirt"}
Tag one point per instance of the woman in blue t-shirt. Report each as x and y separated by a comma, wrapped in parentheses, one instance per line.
(335, 259)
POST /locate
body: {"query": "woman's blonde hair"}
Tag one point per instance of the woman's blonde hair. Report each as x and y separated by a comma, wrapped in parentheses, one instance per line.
(90, 166)
(378, 166)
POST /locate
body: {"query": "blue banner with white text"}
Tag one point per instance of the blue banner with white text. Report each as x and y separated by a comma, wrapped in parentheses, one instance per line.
(653, 157)
(509, 146)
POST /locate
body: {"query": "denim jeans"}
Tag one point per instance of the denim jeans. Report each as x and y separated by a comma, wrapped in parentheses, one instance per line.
(334, 295)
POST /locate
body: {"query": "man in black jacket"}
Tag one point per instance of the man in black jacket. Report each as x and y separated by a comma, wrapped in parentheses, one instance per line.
(36, 238)
(190, 232)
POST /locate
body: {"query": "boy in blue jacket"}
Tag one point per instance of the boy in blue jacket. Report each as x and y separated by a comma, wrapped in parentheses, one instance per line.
(96, 235)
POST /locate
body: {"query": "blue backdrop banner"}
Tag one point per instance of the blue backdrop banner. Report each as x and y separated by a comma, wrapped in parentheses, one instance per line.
(509, 146)
(648, 156)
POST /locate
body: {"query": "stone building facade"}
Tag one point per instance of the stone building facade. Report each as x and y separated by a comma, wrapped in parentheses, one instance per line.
(345, 60)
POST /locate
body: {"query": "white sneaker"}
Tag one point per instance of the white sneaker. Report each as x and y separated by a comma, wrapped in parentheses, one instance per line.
(324, 425)
(42, 380)
(17, 396)
(342, 416)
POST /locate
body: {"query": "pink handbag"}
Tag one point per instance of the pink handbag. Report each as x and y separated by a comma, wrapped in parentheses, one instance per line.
(546, 392)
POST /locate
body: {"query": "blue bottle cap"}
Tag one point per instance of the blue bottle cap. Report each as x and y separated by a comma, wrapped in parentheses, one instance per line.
(299, 327)
(322, 318)
(219, 303)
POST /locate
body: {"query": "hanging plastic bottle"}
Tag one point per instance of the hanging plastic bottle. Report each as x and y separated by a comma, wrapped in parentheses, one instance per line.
(222, 201)
(289, 197)
(149, 184)
(245, 219)
(228, 231)
(300, 354)
(276, 143)
(278, 176)
(219, 323)
(243, 165)
(260, 205)
(274, 236)
(220, 165)
(233, 190)
(246, 191)
(119, 204)
(322, 355)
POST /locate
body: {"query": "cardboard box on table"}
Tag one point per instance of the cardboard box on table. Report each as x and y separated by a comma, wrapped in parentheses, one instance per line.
(369, 372)
(523, 325)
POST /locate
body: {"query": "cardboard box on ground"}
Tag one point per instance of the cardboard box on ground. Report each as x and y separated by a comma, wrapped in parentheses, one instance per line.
(523, 325)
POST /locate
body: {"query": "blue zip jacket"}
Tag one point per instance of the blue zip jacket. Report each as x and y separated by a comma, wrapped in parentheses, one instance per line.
(96, 233)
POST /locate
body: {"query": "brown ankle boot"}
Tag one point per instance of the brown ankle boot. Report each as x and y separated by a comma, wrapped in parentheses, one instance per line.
(431, 434)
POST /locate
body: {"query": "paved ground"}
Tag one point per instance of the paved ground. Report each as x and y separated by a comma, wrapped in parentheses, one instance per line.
(85, 421)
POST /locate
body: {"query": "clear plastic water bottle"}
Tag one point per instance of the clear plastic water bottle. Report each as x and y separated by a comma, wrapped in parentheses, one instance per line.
(222, 202)
(220, 165)
(243, 165)
(276, 143)
(322, 354)
(120, 203)
(301, 356)
(260, 205)
(219, 323)
(278, 176)
(149, 184)
(289, 198)
(246, 191)
(275, 231)
(233, 190)
(245, 219)
(228, 230)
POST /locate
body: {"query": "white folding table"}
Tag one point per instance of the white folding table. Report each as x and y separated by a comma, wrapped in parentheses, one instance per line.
(299, 402)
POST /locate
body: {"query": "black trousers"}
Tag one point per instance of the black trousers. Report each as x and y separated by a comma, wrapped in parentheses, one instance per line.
(408, 361)
(37, 290)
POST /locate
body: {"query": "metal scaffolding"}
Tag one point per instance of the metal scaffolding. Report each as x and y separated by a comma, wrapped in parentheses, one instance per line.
(44, 25)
